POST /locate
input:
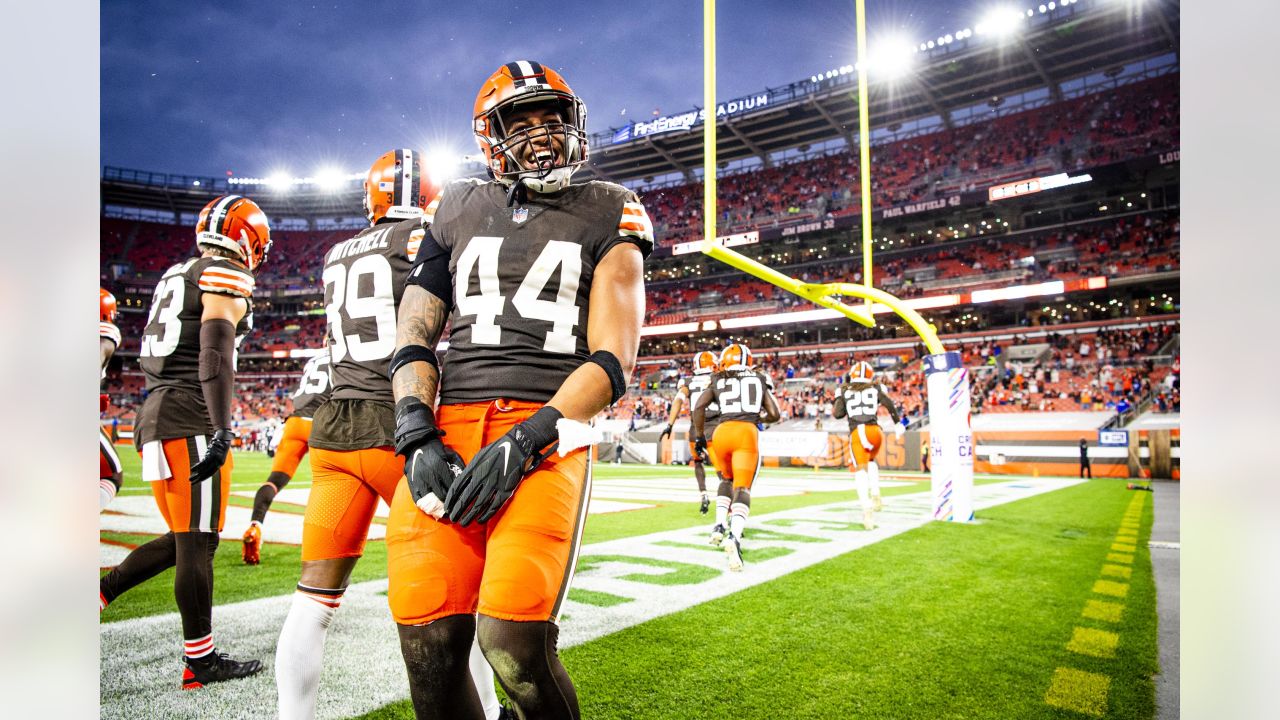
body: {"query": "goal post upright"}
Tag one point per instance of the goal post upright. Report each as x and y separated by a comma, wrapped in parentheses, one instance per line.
(947, 381)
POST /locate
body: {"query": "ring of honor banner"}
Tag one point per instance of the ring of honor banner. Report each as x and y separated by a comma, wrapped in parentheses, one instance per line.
(950, 437)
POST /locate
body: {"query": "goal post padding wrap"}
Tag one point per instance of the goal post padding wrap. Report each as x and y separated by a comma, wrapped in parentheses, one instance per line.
(950, 437)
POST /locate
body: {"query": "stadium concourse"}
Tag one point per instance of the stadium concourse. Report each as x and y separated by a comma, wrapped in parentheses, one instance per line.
(1032, 217)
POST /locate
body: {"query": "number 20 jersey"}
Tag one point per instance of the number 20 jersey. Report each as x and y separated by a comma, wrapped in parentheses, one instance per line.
(522, 280)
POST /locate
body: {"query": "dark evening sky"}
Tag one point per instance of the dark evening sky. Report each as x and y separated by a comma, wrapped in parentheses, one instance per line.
(265, 87)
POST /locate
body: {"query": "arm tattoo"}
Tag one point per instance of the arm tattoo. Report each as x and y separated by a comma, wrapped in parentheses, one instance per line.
(420, 321)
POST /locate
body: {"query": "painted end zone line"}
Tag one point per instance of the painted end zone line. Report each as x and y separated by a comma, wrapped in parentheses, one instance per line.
(141, 658)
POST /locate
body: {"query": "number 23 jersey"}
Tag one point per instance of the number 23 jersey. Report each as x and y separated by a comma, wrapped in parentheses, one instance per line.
(522, 281)
(170, 352)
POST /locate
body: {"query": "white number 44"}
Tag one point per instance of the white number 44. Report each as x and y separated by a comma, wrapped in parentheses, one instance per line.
(481, 254)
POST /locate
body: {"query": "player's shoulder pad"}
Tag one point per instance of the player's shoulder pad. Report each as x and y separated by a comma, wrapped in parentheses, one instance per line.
(110, 332)
(226, 277)
(633, 221)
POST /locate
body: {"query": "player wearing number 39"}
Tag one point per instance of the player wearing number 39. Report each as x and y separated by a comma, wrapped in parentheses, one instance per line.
(860, 399)
(745, 397)
(200, 312)
(353, 461)
(545, 307)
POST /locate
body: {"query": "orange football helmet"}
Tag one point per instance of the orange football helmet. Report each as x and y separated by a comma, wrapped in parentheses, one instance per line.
(106, 306)
(705, 362)
(519, 84)
(235, 223)
(396, 187)
(736, 357)
(861, 372)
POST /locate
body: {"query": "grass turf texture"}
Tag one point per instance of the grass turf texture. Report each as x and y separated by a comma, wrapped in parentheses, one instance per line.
(278, 573)
(944, 621)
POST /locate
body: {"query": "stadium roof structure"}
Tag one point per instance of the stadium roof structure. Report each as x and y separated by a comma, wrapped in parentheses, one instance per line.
(1051, 49)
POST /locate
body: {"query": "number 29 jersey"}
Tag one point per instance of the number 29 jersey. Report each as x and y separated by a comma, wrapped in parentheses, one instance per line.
(170, 352)
(522, 281)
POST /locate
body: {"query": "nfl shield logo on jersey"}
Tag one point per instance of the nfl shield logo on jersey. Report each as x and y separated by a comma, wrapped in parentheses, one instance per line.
(519, 215)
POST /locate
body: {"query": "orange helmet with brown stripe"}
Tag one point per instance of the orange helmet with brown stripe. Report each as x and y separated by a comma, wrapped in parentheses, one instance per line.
(861, 372)
(396, 187)
(235, 223)
(736, 357)
(106, 306)
(545, 155)
(705, 362)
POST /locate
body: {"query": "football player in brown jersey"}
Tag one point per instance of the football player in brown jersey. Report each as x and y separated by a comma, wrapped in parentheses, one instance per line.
(859, 401)
(110, 472)
(687, 394)
(313, 390)
(200, 311)
(352, 440)
(745, 398)
(542, 284)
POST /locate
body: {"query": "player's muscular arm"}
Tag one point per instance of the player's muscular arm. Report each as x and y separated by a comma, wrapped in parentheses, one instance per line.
(771, 412)
(677, 404)
(616, 315)
(889, 405)
(838, 410)
(420, 321)
(699, 412)
(218, 319)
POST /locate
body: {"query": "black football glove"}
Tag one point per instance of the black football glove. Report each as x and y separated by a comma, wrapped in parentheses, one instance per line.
(491, 478)
(429, 466)
(665, 432)
(700, 448)
(214, 456)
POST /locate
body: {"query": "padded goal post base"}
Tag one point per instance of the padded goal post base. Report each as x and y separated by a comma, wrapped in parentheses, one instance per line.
(950, 438)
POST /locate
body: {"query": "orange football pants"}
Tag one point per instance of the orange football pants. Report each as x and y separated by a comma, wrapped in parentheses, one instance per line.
(201, 507)
(864, 443)
(345, 487)
(519, 564)
(292, 446)
(735, 451)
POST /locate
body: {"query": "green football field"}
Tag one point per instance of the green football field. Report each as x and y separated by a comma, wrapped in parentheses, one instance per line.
(1044, 608)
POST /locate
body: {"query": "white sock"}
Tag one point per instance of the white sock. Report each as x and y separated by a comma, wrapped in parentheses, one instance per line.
(860, 482)
(300, 651)
(738, 519)
(873, 472)
(482, 676)
(106, 493)
(722, 510)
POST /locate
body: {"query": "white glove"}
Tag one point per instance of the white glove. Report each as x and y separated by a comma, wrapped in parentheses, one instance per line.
(898, 429)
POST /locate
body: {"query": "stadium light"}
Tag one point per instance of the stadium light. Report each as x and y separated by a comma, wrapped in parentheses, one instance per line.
(892, 58)
(329, 179)
(279, 181)
(442, 165)
(1001, 22)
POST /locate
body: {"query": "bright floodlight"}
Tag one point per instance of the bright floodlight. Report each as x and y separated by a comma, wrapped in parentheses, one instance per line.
(1002, 22)
(892, 58)
(329, 179)
(279, 181)
(441, 165)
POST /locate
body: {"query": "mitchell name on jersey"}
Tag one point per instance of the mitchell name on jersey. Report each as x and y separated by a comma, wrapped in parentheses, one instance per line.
(522, 281)
(363, 283)
(170, 352)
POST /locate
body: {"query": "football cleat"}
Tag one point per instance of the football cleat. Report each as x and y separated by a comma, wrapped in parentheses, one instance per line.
(733, 550)
(706, 503)
(251, 552)
(717, 534)
(235, 223)
(199, 673)
(868, 520)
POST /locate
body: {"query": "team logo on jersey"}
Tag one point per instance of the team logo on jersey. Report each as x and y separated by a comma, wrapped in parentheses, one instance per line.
(519, 215)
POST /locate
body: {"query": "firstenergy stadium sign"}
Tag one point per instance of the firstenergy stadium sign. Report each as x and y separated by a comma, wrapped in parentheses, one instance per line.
(686, 120)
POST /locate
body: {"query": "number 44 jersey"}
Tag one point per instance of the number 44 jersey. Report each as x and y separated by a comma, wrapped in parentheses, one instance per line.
(522, 280)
